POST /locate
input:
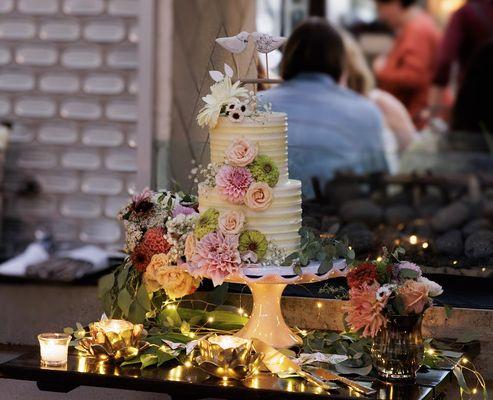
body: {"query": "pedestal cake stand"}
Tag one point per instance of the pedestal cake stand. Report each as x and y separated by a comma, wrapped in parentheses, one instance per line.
(267, 285)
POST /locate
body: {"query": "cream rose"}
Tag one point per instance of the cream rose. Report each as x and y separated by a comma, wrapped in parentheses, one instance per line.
(259, 196)
(150, 275)
(190, 245)
(241, 152)
(231, 222)
(176, 282)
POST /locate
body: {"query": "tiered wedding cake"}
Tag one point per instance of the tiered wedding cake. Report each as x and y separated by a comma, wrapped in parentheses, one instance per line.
(281, 221)
(250, 211)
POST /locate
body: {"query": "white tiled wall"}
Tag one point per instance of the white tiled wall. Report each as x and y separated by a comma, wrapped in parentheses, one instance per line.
(68, 83)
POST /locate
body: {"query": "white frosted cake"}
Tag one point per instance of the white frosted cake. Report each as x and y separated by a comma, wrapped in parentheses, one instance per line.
(280, 222)
(250, 211)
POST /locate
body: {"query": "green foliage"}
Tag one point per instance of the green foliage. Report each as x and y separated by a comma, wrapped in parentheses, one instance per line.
(325, 250)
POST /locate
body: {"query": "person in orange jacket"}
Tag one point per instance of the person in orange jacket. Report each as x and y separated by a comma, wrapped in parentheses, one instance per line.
(407, 70)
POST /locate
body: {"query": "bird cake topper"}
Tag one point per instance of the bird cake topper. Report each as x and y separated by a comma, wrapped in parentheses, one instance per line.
(264, 43)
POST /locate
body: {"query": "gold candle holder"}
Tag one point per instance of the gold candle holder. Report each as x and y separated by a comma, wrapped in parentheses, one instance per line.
(228, 357)
(54, 349)
(113, 340)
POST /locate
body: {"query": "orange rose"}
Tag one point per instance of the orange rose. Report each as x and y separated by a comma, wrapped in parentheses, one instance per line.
(175, 281)
(241, 153)
(259, 196)
(415, 296)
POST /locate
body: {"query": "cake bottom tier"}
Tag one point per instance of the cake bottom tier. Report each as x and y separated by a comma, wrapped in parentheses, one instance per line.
(280, 223)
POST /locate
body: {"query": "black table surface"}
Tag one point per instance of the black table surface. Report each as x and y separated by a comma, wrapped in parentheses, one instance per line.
(191, 383)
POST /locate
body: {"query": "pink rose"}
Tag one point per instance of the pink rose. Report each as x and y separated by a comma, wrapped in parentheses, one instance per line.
(259, 196)
(241, 152)
(190, 245)
(415, 296)
(231, 222)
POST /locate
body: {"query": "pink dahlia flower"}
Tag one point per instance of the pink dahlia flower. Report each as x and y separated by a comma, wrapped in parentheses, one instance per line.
(233, 182)
(364, 310)
(216, 256)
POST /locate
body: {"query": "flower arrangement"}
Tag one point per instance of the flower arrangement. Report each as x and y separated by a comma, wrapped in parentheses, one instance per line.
(157, 225)
(378, 290)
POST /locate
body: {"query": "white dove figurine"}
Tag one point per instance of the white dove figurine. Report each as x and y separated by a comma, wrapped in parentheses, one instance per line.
(265, 43)
(234, 44)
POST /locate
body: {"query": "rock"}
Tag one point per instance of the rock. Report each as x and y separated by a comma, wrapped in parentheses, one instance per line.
(450, 243)
(330, 224)
(341, 192)
(397, 214)
(311, 222)
(479, 244)
(352, 227)
(361, 211)
(362, 241)
(450, 217)
(476, 225)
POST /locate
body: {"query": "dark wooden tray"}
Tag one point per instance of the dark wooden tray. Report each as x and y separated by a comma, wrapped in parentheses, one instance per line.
(190, 383)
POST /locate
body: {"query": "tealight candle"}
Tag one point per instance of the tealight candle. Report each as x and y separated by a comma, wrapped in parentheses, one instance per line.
(227, 342)
(115, 325)
(54, 348)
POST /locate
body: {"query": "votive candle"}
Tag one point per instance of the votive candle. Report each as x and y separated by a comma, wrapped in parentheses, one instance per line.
(53, 349)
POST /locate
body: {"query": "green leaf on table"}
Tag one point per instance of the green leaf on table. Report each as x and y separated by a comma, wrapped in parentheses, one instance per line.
(193, 316)
(143, 298)
(68, 330)
(108, 304)
(147, 360)
(124, 301)
(297, 269)
(171, 316)
(467, 337)
(290, 258)
(185, 328)
(105, 284)
(163, 356)
(223, 319)
(135, 360)
(460, 379)
(79, 326)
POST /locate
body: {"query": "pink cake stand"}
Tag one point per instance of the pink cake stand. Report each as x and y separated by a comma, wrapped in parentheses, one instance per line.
(267, 285)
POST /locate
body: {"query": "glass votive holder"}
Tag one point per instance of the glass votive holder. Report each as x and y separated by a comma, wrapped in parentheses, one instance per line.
(54, 349)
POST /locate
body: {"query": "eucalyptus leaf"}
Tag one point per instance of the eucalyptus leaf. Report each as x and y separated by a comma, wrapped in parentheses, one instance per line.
(122, 276)
(143, 298)
(105, 284)
(136, 313)
(124, 301)
(325, 266)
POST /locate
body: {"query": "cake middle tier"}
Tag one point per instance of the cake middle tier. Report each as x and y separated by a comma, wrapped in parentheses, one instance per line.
(268, 130)
(280, 223)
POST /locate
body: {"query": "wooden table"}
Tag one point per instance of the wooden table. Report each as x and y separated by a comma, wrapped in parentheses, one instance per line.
(190, 384)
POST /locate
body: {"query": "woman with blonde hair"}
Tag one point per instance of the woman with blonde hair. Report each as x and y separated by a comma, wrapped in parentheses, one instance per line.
(398, 126)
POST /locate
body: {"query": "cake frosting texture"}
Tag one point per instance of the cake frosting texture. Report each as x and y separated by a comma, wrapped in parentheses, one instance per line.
(281, 221)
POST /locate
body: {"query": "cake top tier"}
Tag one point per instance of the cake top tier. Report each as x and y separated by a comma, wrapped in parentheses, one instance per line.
(257, 119)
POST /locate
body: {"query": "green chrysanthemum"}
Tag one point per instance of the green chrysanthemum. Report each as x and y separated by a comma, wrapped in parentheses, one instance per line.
(253, 241)
(207, 223)
(263, 169)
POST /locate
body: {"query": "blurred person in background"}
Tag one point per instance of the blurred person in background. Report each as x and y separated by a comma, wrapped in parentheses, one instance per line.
(407, 70)
(331, 128)
(473, 110)
(468, 29)
(399, 131)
